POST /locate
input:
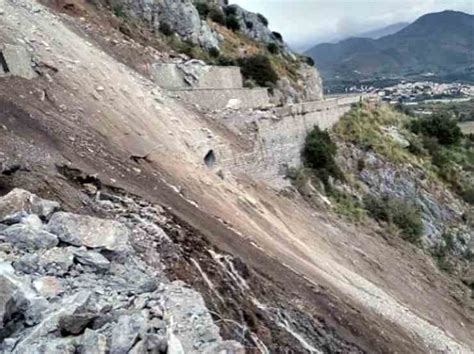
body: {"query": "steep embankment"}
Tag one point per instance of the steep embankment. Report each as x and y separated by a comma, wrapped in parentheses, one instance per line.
(314, 282)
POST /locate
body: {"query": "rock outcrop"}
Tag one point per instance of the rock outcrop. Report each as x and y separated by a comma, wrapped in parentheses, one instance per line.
(90, 293)
(180, 17)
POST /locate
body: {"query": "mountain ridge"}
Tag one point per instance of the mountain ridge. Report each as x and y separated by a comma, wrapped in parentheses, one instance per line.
(441, 43)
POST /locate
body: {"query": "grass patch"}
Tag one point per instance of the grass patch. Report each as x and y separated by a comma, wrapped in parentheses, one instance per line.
(364, 126)
(404, 214)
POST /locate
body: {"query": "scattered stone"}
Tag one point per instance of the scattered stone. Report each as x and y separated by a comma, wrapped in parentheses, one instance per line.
(24, 237)
(48, 286)
(81, 230)
(91, 258)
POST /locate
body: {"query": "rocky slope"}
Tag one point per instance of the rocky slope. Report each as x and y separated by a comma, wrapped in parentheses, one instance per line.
(73, 284)
(91, 131)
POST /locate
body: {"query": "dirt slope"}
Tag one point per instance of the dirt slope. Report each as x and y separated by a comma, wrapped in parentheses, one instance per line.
(95, 113)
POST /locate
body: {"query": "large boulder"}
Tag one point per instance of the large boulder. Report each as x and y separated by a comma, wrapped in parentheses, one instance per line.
(25, 237)
(19, 200)
(82, 230)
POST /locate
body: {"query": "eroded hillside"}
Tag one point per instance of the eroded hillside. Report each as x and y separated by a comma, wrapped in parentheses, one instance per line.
(92, 131)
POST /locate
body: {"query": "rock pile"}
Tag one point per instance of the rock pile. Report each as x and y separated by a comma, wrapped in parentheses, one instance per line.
(73, 284)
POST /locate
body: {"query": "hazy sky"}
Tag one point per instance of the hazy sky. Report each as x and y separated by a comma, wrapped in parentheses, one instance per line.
(306, 22)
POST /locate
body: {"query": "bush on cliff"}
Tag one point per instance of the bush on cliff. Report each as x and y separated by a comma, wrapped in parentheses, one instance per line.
(203, 9)
(399, 212)
(232, 23)
(318, 154)
(259, 69)
(217, 15)
(441, 126)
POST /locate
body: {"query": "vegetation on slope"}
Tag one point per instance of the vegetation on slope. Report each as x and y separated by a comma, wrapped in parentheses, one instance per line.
(412, 160)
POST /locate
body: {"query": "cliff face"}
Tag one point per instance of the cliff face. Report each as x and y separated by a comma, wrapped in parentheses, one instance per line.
(91, 131)
(224, 34)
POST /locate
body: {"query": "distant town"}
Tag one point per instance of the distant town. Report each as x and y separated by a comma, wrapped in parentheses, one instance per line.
(412, 93)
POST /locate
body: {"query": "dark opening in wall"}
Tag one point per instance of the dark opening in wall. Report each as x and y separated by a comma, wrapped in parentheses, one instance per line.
(3, 63)
(210, 159)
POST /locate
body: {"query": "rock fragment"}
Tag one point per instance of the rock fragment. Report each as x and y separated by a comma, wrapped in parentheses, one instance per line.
(19, 200)
(24, 237)
(92, 259)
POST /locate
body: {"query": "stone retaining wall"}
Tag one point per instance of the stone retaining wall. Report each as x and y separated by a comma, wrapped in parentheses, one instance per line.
(279, 136)
(218, 99)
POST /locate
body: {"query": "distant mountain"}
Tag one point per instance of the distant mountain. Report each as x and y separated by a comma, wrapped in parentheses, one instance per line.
(440, 44)
(384, 31)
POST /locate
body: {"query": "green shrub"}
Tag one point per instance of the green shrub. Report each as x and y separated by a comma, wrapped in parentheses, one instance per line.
(119, 12)
(273, 48)
(347, 206)
(263, 19)
(226, 61)
(440, 126)
(309, 61)
(249, 25)
(165, 28)
(318, 154)
(214, 52)
(230, 11)
(216, 15)
(203, 9)
(259, 69)
(468, 195)
(278, 36)
(399, 212)
(232, 23)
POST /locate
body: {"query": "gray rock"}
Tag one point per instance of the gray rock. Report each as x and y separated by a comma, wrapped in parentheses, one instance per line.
(57, 346)
(28, 264)
(49, 323)
(12, 302)
(126, 332)
(91, 258)
(93, 342)
(56, 261)
(18, 61)
(75, 323)
(189, 26)
(33, 221)
(251, 24)
(48, 286)
(19, 200)
(82, 230)
(24, 237)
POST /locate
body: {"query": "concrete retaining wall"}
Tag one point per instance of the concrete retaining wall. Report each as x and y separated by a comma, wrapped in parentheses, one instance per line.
(222, 98)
